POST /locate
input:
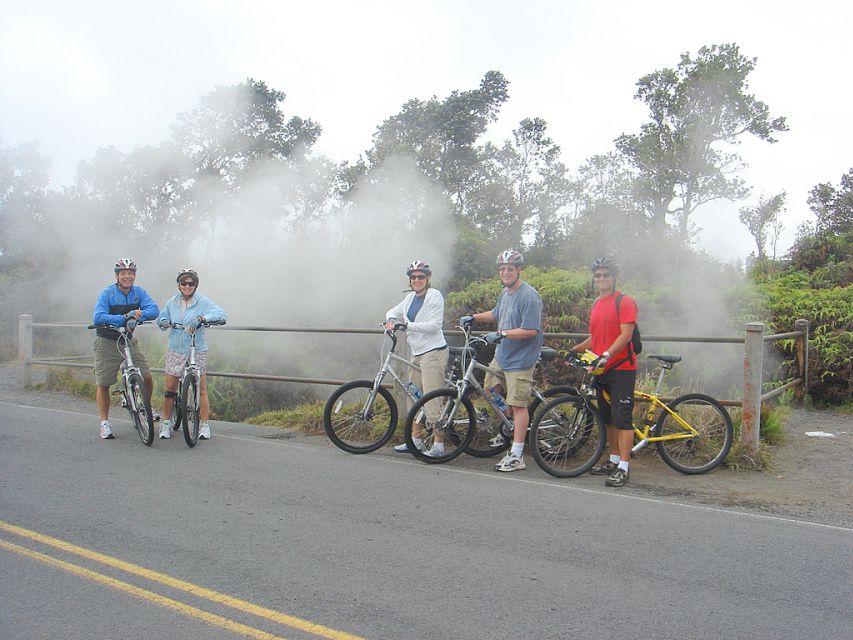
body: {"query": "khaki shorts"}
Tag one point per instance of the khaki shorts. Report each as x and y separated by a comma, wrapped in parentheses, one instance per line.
(108, 359)
(518, 385)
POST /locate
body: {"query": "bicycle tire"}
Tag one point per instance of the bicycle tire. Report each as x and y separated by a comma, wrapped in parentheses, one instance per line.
(348, 428)
(457, 429)
(192, 419)
(488, 427)
(567, 436)
(141, 416)
(705, 452)
(177, 413)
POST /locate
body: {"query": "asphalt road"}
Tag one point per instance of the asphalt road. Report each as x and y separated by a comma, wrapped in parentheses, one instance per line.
(248, 535)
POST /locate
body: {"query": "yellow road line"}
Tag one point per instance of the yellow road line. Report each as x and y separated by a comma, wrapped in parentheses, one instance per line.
(156, 598)
(196, 590)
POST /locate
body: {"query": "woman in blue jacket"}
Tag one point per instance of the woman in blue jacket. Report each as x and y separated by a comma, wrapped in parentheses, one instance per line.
(188, 308)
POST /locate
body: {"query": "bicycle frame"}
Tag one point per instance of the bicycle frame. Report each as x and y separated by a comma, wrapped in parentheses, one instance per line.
(387, 369)
(469, 381)
(656, 408)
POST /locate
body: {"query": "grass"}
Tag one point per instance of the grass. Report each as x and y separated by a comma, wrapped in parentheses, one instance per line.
(67, 380)
(307, 418)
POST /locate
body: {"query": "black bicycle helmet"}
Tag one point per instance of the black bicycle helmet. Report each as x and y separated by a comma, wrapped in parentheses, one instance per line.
(604, 263)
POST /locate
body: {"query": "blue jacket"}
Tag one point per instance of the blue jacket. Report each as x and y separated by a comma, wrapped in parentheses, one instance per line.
(113, 303)
(179, 339)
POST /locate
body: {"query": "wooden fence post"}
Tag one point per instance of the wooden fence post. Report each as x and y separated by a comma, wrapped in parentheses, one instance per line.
(802, 347)
(25, 350)
(753, 364)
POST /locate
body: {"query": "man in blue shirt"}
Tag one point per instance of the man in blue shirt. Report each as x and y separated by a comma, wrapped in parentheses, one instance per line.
(118, 303)
(518, 316)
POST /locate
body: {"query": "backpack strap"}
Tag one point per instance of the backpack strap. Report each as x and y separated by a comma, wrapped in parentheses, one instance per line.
(630, 356)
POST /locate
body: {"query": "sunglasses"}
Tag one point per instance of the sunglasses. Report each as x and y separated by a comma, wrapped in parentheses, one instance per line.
(417, 277)
(600, 276)
(188, 283)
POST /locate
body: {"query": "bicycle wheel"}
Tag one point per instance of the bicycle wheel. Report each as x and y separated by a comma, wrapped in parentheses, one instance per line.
(142, 417)
(701, 453)
(567, 436)
(551, 392)
(354, 426)
(441, 417)
(190, 409)
(492, 437)
(177, 413)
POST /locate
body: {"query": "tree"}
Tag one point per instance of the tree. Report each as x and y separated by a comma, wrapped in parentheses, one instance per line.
(530, 189)
(441, 134)
(237, 126)
(23, 190)
(698, 111)
(763, 222)
(833, 207)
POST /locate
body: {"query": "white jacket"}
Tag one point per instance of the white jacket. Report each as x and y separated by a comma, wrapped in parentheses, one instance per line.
(425, 333)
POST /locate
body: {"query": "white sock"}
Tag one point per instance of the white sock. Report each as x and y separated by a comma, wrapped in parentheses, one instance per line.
(614, 459)
(517, 449)
(438, 446)
(418, 442)
(623, 464)
(104, 422)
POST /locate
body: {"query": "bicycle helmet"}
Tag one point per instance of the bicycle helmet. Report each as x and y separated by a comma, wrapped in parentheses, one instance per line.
(604, 263)
(512, 257)
(123, 264)
(187, 272)
(418, 265)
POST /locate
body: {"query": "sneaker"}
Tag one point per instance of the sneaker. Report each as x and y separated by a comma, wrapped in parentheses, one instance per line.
(165, 429)
(497, 441)
(106, 430)
(511, 463)
(435, 452)
(154, 415)
(404, 448)
(204, 431)
(617, 479)
(606, 468)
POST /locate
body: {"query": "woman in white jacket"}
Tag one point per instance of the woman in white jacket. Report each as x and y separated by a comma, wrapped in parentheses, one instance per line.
(422, 311)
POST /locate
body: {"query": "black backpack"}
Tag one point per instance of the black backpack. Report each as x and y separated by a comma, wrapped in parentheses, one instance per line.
(636, 344)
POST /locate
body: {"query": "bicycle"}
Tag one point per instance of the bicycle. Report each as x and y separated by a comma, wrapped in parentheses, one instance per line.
(692, 433)
(188, 400)
(132, 392)
(476, 431)
(361, 415)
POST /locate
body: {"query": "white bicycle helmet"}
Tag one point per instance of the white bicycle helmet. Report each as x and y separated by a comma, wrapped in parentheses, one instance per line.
(123, 264)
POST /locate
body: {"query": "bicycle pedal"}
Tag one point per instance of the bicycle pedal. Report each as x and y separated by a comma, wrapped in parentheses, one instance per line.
(116, 392)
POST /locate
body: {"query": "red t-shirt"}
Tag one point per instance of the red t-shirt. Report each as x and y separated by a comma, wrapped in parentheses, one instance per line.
(604, 327)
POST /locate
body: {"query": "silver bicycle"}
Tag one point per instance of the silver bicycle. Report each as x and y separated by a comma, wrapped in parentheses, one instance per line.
(132, 391)
(361, 415)
(469, 417)
(188, 401)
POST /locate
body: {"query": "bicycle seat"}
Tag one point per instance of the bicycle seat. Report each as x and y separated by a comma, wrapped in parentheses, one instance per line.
(547, 353)
(458, 351)
(669, 359)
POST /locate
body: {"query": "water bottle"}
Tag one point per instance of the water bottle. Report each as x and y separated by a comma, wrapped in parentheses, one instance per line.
(499, 400)
(413, 390)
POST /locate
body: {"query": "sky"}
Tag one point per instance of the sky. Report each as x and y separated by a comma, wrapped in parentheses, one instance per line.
(79, 76)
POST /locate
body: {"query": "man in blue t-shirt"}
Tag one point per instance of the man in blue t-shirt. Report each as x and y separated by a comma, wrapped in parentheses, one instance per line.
(518, 316)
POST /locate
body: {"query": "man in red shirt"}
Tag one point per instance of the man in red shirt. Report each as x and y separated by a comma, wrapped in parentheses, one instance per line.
(611, 327)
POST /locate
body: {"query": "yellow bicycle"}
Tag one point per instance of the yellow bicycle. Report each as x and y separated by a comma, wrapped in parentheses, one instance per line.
(693, 432)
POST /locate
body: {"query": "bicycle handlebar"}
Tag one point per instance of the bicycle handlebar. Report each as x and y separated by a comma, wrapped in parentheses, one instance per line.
(206, 323)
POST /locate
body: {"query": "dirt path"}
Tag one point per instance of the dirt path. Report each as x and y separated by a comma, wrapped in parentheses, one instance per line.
(811, 478)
